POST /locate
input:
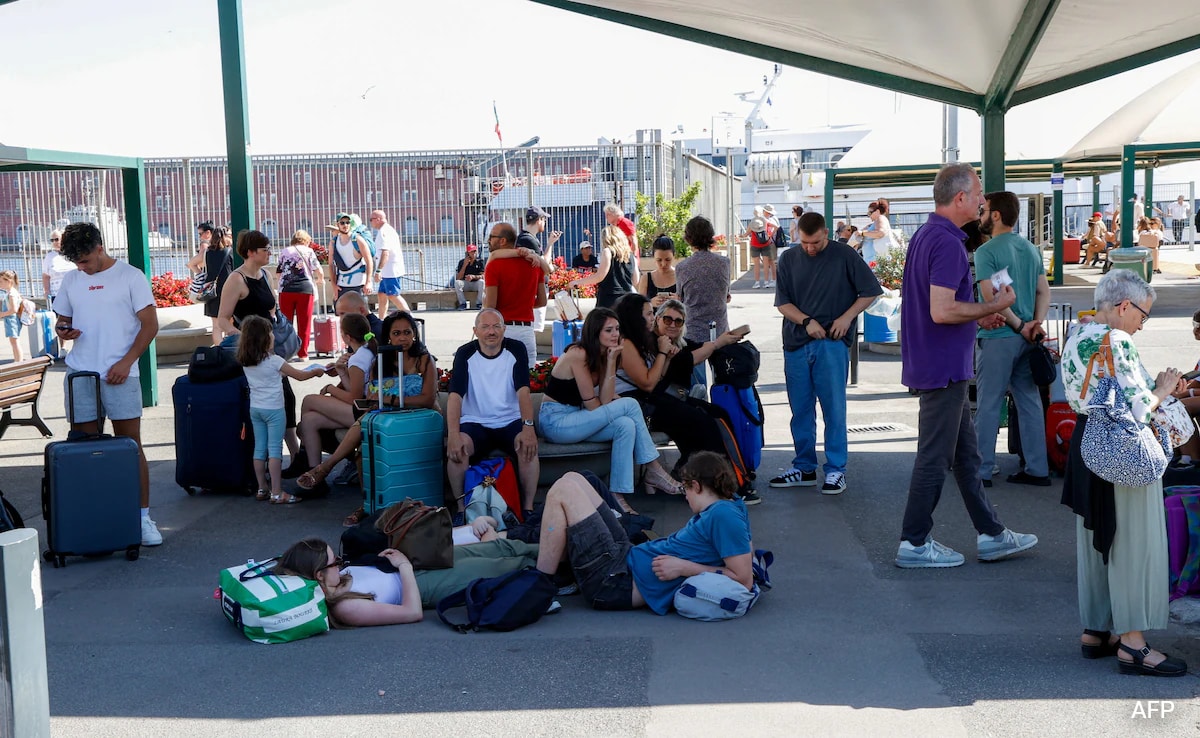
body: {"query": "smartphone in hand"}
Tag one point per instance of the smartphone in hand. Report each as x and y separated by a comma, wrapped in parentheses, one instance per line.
(741, 331)
(1195, 373)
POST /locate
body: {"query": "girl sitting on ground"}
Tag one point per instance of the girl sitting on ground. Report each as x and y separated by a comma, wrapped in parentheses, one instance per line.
(262, 368)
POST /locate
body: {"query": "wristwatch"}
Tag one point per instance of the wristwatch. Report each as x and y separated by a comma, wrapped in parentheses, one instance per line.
(527, 423)
(804, 323)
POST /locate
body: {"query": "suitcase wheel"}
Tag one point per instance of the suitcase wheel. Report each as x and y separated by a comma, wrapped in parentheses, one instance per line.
(189, 490)
(48, 556)
(132, 553)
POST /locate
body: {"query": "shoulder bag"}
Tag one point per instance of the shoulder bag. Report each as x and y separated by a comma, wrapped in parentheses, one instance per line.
(1115, 446)
(287, 343)
(269, 608)
(422, 533)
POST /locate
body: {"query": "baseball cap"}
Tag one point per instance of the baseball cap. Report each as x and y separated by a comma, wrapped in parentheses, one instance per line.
(536, 212)
(472, 247)
(339, 216)
(1097, 215)
(584, 245)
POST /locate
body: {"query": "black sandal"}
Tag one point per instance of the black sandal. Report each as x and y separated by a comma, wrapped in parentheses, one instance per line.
(1101, 650)
(1168, 667)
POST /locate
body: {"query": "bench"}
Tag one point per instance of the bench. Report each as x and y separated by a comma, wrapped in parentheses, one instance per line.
(21, 384)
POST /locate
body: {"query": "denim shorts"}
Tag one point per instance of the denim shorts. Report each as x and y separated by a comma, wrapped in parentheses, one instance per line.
(12, 326)
(597, 547)
(117, 401)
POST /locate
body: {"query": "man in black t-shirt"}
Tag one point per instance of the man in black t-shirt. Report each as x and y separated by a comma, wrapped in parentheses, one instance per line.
(468, 277)
(822, 287)
(535, 223)
(585, 260)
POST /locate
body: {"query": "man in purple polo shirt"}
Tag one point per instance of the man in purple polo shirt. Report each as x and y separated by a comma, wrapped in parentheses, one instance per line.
(937, 319)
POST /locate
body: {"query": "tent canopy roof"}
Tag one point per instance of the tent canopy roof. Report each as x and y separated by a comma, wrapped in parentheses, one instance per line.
(996, 54)
(14, 158)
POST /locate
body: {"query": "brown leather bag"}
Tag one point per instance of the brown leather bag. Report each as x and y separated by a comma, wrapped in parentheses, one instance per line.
(422, 533)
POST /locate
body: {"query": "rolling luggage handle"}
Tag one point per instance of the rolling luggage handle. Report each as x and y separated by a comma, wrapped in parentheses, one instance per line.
(71, 379)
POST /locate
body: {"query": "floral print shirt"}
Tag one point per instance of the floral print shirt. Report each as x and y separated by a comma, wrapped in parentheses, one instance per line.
(1135, 381)
(295, 269)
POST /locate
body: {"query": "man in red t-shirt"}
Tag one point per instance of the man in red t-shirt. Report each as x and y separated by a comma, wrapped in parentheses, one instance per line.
(515, 286)
(614, 216)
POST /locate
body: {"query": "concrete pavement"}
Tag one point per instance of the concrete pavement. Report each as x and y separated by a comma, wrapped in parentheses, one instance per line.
(845, 644)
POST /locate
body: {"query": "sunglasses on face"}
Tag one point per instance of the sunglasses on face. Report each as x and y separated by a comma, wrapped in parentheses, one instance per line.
(343, 222)
(54, 240)
(671, 321)
(339, 562)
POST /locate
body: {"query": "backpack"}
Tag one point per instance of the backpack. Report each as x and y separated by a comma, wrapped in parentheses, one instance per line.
(10, 519)
(501, 603)
(363, 231)
(781, 239)
(26, 311)
(735, 365)
(213, 364)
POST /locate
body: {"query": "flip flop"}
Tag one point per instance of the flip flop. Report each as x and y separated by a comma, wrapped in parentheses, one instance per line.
(285, 499)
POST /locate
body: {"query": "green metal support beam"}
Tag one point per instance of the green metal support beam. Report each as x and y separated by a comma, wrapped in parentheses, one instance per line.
(1128, 160)
(1096, 195)
(138, 238)
(237, 116)
(1103, 71)
(830, 178)
(992, 126)
(896, 83)
(1031, 26)
(1148, 188)
(1057, 224)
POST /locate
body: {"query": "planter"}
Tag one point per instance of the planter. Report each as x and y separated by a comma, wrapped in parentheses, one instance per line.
(876, 330)
(182, 317)
(585, 306)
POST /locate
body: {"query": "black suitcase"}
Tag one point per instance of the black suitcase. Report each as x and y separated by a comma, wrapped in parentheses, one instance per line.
(91, 491)
(214, 440)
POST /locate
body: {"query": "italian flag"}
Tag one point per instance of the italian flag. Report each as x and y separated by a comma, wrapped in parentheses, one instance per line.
(497, 115)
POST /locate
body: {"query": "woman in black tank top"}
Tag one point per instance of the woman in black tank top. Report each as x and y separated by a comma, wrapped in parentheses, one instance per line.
(581, 404)
(659, 285)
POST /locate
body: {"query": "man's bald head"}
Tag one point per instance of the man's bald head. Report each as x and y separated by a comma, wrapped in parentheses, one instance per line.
(378, 218)
(351, 302)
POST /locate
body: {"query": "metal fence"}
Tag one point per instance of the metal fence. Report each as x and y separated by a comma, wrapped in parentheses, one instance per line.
(439, 201)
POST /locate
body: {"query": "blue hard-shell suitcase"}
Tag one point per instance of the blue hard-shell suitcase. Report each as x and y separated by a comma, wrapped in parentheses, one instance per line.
(91, 491)
(43, 341)
(403, 455)
(566, 332)
(214, 440)
(746, 415)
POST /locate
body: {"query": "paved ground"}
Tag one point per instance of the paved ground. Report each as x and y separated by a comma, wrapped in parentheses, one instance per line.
(846, 644)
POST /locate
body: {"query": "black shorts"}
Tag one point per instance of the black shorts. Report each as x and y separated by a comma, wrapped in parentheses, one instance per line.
(597, 547)
(486, 440)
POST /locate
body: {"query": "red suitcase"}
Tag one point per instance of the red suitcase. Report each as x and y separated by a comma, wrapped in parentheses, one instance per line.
(327, 332)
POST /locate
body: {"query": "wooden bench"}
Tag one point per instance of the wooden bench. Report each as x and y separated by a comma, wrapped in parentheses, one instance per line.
(21, 384)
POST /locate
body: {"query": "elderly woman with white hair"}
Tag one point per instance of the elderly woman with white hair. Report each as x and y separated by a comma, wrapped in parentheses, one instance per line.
(54, 267)
(1121, 543)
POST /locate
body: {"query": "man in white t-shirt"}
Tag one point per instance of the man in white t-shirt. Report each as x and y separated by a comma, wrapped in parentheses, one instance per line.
(107, 309)
(1179, 212)
(391, 264)
(489, 406)
(354, 254)
(55, 266)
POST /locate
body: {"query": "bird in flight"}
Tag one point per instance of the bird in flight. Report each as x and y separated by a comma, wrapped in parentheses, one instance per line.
(364, 95)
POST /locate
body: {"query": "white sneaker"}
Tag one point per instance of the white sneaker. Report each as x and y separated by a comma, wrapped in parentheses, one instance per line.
(1008, 543)
(771, 283)
(930, 555)
(756, 286)
(150, 534)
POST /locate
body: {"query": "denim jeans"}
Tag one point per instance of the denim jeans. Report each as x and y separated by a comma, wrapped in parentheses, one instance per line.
(946, 440)
(620, 421)
(268, 432)
(1003, 365)
(817, 372)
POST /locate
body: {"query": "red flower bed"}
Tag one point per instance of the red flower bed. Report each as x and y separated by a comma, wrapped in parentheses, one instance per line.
(170, 291)
(561, 278)
(539, 375)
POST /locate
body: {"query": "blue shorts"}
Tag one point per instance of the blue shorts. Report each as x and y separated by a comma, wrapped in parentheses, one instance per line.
(117, 401)
(389, 286)
(12, 326)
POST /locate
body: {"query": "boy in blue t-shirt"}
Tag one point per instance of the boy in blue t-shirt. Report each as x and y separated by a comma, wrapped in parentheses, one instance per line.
(613, 574)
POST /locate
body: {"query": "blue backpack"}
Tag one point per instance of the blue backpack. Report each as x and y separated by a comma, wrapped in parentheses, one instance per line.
(501, 603)
(745, 411)
(365, 233)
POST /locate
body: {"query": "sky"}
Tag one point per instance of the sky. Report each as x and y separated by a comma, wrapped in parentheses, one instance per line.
(142, 78)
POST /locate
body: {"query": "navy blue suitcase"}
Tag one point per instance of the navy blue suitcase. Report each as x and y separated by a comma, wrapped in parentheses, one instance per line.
(214, 440)
(91, 492)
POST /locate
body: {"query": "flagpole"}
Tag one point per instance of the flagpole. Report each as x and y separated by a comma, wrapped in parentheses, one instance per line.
(503, 154)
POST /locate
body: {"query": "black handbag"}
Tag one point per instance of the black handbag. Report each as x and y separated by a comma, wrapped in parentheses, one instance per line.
(736, 365)
(1042, 365)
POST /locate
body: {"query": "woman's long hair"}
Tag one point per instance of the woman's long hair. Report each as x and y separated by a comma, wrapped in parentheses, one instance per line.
(216, 242)
(589, 339)
(633, 325)
(614, 239)
(391, 366)
(307, 559)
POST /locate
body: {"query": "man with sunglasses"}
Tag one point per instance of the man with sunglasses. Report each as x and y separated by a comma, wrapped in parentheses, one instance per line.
(353, 266)
(822, 287)
(514, 287)
(1007, 338)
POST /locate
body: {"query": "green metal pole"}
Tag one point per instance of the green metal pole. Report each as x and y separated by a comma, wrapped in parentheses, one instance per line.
(1056, 187)
(830, 176)
(1148, 186)
(1127, 192)
(993, 150)
(1096, 194)
(137, 236)
(237, 116)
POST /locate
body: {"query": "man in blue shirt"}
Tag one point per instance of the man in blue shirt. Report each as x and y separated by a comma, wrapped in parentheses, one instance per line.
(616, 575)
